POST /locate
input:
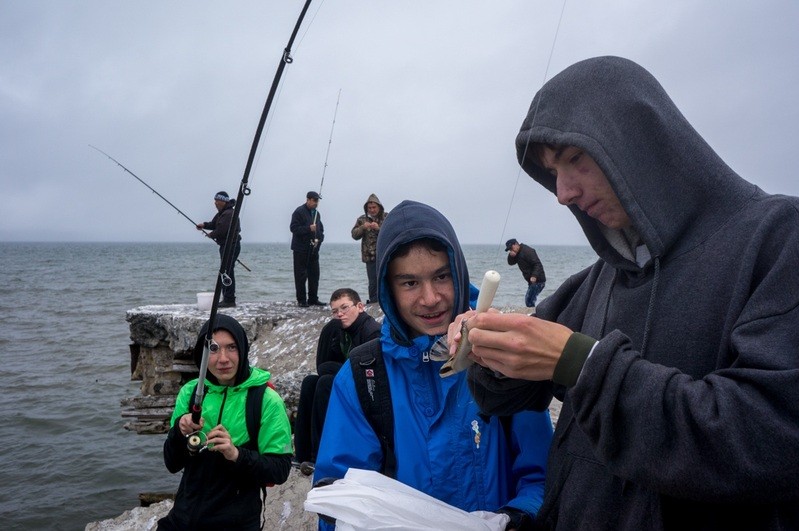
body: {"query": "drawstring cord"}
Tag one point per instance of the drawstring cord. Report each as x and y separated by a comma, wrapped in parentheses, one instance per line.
(649, 310)
(651, 307)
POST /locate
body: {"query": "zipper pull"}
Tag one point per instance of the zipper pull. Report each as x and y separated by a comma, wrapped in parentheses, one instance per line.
(476, 430)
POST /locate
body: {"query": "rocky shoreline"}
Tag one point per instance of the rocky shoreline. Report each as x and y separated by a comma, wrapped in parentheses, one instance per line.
(283, 510)
(283, 341)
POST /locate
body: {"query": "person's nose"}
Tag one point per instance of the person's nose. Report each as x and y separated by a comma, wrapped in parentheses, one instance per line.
(430, 295)
(566, 189)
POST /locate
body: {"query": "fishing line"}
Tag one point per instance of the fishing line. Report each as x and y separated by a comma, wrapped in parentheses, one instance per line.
(460, 361)
(315, 241)
(527, 145)
(278, 95)
(244, 190)
(329, 142)
(159, 195)
(283, 81)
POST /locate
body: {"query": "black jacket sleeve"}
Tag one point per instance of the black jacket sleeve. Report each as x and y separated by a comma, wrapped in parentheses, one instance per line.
(221, 226)
(329, 348)
(175, 450)
(497, 395)
(264, 468)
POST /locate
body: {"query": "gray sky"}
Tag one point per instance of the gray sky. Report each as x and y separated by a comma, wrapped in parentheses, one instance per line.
(432, 96)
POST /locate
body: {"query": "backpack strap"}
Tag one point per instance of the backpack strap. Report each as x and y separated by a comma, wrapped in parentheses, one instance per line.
(252, 413)
(255, 401)
(371, 384)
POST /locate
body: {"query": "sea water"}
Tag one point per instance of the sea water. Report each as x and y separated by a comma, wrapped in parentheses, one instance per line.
(65, 362)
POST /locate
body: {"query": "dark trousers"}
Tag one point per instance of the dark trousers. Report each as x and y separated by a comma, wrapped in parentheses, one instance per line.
(311, 411)
(532, 293)
(306, 267)
(229, 292)
(371, 274)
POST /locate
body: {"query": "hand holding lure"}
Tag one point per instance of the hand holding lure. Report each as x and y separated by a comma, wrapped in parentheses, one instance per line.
(460, 360)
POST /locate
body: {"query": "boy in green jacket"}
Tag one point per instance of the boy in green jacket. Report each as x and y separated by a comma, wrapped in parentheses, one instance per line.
(221, 482)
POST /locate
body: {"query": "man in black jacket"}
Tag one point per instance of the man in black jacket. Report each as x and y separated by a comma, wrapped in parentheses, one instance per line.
(307, 234)
(220, 227)
(532, 269)
(350, 327)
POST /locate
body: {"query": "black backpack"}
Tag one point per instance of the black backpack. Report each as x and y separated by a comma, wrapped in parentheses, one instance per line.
(374, 394)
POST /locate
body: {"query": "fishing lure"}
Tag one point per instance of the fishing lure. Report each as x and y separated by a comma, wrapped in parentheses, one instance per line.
(460, 360)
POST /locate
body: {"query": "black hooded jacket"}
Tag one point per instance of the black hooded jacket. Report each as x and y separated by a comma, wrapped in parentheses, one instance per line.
(220, 225)
(216, 493)
(686, 414)
(335, 342)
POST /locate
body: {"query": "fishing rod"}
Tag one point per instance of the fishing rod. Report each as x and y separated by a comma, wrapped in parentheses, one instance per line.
(159, 195)
(324, 168)
(244, 190)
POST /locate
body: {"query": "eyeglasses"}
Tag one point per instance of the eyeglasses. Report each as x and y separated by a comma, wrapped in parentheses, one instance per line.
(341, 309)
(216, 348)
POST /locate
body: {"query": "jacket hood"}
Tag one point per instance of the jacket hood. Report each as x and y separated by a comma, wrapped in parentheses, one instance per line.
(411, 221)
(373, 199)
(673, 186)
(226, 322)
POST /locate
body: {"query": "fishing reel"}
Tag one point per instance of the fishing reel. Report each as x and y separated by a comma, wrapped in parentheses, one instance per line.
(196, 442)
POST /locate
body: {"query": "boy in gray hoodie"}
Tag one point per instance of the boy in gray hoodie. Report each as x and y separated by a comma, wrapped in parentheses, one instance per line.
(676, 354)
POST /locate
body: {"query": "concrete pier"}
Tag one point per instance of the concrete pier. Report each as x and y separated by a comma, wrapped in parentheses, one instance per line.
(282, 339)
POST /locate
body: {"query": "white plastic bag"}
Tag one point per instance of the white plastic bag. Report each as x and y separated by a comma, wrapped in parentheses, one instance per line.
(367, 500)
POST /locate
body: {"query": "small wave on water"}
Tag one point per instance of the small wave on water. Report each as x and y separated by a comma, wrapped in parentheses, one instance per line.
(67, 460)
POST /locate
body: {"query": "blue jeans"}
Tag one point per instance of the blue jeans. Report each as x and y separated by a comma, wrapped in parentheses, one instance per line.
(532, 293)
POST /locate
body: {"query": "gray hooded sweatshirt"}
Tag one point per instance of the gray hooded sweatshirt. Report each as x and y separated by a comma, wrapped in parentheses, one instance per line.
(686, 414)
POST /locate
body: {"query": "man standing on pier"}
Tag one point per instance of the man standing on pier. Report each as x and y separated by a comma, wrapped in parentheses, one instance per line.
(220, 227)
(366, 229)
(532, 269)
(307, 235)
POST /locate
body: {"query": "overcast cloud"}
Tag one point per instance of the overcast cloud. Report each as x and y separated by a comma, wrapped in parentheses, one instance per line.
(432, 96)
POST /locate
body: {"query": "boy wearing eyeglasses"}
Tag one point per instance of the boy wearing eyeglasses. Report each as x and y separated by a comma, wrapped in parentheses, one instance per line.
(349, 327)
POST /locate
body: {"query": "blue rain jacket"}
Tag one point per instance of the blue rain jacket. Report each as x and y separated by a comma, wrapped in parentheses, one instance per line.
(443, 446)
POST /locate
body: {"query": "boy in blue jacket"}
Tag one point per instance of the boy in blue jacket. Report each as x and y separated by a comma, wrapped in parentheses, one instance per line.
(442, 445)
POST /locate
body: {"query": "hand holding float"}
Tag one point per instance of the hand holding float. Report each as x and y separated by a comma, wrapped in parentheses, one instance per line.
(460, 360)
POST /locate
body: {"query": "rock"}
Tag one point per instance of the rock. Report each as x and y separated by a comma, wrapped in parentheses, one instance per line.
(283, 510)
(139, 518)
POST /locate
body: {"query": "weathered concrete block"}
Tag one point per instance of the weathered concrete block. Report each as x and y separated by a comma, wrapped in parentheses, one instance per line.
(282, 339)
